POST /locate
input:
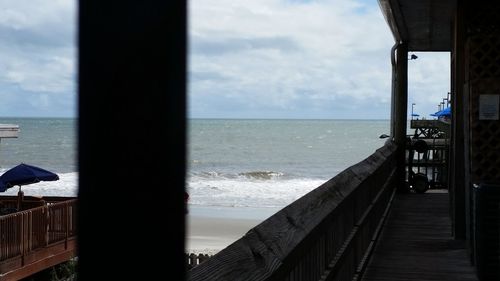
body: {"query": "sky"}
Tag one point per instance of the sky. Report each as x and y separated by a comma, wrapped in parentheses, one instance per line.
(300, 59)
(37, 58)
(246, 59)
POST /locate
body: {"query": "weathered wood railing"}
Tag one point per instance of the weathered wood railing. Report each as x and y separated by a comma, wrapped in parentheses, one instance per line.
(29, 202)
(23, 233)
(324, 235)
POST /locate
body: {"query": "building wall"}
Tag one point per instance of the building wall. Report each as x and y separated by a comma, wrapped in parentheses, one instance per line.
(483, 78)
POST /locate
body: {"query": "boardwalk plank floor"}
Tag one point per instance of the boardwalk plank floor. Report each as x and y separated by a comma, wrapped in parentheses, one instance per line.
(416, 243)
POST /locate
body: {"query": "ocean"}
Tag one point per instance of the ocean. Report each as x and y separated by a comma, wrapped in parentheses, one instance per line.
(49, 143)
(238, 164)
(239, 173)
(232, 164)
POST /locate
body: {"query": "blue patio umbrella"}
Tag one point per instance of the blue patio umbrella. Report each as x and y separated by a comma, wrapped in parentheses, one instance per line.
(444, 112)
(24, 174)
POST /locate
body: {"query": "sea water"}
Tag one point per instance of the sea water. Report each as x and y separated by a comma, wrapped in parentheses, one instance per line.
(231, 163)
(49, 143)
(234, 164)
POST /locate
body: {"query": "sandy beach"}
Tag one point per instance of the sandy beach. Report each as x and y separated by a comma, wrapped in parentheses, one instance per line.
(210, 230)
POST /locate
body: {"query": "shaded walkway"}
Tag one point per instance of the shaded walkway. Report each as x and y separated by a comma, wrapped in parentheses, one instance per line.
(416, 243)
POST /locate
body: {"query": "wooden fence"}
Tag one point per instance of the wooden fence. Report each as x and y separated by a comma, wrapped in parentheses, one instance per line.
(324, 235)
(23, 233)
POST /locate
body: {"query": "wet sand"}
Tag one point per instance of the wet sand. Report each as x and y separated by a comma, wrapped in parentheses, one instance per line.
(210, 230)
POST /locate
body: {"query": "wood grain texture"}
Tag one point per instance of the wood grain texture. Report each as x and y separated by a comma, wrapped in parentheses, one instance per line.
(301, 241)
(416, 243)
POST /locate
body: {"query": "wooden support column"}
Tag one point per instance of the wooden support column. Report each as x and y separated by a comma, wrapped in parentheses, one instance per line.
(457, 167)
(131, 139)
(400, 109)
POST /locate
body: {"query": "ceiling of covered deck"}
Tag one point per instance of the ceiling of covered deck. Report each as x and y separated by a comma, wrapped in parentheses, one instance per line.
(426, 25)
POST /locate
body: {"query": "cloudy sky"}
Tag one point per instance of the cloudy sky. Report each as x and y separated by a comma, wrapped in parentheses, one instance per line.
(300, 59)
(247, 59)
(37, 58)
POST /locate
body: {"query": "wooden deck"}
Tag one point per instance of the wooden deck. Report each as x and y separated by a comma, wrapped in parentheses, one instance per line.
(416, 243)
(38, 236)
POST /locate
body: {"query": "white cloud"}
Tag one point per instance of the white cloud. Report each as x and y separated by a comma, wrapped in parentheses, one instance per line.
(259, 58)
(21, 14)
(38, 57)
(429, 83)
(301, 59)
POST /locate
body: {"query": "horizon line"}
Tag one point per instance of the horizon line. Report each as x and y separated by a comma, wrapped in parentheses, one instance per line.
(262, 118)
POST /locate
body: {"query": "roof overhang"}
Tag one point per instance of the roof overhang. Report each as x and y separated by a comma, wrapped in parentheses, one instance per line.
(426, 25)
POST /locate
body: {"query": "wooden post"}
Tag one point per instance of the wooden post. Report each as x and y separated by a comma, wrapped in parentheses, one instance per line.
(21, 232)
(457, 167)
(131, 138)
(66, 224)
(46, 218)
(20, 199)
(400, 109)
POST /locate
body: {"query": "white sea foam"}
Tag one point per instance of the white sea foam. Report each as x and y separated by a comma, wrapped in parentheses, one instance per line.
(244, 192)
(240, 191)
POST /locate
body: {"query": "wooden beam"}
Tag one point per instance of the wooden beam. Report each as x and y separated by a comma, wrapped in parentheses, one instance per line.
(37, 261)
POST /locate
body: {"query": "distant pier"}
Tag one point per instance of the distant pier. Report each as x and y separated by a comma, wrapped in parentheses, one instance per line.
(8, 131)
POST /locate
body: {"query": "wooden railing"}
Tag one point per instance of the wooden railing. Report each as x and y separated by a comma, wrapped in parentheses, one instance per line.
(28, 202)
(26, 231)
(324, 235)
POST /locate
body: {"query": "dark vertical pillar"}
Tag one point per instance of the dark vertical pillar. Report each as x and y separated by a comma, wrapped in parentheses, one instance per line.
(393, 88)
(451, 150)
(131, 134)
(457, 168)
(400, 109)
